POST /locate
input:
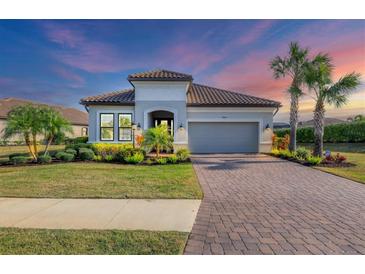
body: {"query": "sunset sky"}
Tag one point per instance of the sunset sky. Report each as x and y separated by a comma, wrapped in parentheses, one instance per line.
(62, 61)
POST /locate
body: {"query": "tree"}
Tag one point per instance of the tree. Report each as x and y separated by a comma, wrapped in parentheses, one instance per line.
(292, 66)
(157, 138)
(54, 124)
(318, 77)
(359, 118)
(25, 120)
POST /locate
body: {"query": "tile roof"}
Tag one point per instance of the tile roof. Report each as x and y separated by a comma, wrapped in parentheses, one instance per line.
(158, 75)
(201, 95)
(75, 116)
(197, 95)
(122, 97)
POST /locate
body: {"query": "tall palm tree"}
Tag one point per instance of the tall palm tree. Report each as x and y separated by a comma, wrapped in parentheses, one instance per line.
(292, 66)
(26, 121)
(53, 123)
(318, 77)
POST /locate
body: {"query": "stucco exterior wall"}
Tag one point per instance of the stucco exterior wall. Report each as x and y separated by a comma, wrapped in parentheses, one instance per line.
(94, 121)
(167, 96)
(264, 116)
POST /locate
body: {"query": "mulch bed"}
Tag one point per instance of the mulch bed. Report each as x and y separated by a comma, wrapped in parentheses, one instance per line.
(333, 164)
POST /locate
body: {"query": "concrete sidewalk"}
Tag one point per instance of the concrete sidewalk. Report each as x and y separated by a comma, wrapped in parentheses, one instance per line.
(125, 214)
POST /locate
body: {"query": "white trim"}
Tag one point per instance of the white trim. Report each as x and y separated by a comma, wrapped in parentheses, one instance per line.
(230, 109)
(266, 143)
(180, 143)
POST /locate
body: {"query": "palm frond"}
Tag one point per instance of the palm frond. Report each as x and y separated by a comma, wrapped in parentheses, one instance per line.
(279, 67)
(338, 93)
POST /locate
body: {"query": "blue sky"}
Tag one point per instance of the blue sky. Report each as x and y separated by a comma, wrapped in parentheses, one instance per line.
(61, 61)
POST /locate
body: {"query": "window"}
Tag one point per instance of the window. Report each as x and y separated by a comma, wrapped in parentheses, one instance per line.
(106, 126)
(84, 131)
(125, 126)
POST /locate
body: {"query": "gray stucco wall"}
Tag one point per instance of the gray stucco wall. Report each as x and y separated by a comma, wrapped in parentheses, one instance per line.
(94, 114)
(142, 108)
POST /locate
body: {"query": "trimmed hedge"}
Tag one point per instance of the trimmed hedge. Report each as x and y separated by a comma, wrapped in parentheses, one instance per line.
(339, 133)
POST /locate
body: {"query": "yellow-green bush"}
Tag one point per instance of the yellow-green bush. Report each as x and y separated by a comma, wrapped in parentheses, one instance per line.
(103, 149)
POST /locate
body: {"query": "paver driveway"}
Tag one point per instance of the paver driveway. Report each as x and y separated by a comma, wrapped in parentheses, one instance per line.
(257, 204)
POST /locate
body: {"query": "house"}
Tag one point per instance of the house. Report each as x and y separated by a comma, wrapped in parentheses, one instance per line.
(77, 118)
(202, 118)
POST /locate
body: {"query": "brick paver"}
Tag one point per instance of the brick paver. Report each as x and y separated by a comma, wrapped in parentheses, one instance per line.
(257, 204)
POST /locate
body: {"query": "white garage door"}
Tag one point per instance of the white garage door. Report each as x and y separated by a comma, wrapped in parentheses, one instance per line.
(223, 137)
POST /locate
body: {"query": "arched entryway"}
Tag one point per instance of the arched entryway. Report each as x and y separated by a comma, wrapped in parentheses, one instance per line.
(157, 116)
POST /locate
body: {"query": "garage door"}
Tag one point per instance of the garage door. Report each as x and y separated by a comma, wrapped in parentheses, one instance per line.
(223, 137)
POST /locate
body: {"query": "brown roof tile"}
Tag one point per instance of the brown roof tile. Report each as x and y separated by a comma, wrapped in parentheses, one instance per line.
(160, 74)
(201, 95)
(75, 116)
(197, 95)
(122, 97)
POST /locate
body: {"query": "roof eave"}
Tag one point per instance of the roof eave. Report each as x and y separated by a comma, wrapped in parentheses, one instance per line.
(160, 79)
(85, 103)
(232, 105)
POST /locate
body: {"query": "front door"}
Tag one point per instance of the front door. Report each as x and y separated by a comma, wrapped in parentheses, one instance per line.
(165, 121)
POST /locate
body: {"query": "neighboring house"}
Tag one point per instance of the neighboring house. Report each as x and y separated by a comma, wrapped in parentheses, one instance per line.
(204, 119)
(77, 118)
(281, 125)
(326, 121)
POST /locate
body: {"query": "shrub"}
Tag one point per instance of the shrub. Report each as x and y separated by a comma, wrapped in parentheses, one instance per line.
(135, 158)
(172, 159)
(109, 149)
(339, 158)
(77, 140)
(128, 152)
(275, 152)
(11, 156)
(71, 151)
(158, 139)
(19, 160)
(302, 153)
(86, 154)
(78, 146)
(44, 159)
(161, 161)
(109, 158)
(286, 154)
(98, 158)
(314, 160)
(63, 156)
(337, 133)
(149, 162)
(183, 155)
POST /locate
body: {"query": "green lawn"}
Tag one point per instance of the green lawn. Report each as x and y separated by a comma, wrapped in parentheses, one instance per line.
(6, 150)
(100, 180)
(354, 152)
(18, 241)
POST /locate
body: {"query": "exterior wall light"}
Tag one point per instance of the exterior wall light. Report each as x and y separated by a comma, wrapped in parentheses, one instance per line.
(138, 126)
(181, 127)
(267, 126)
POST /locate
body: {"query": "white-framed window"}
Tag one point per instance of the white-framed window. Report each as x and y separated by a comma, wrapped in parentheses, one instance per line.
(125, 127)
(106, 126)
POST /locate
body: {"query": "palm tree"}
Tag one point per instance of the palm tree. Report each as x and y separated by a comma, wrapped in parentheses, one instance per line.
(26, 121)
(157, 138)
(54, 124)
(318, 77)
(292, 66)
(359, 118)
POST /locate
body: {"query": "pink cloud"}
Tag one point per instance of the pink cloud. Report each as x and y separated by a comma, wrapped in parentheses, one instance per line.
(76, 81)
(82, 53)
(197, 56)
(255, 32)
